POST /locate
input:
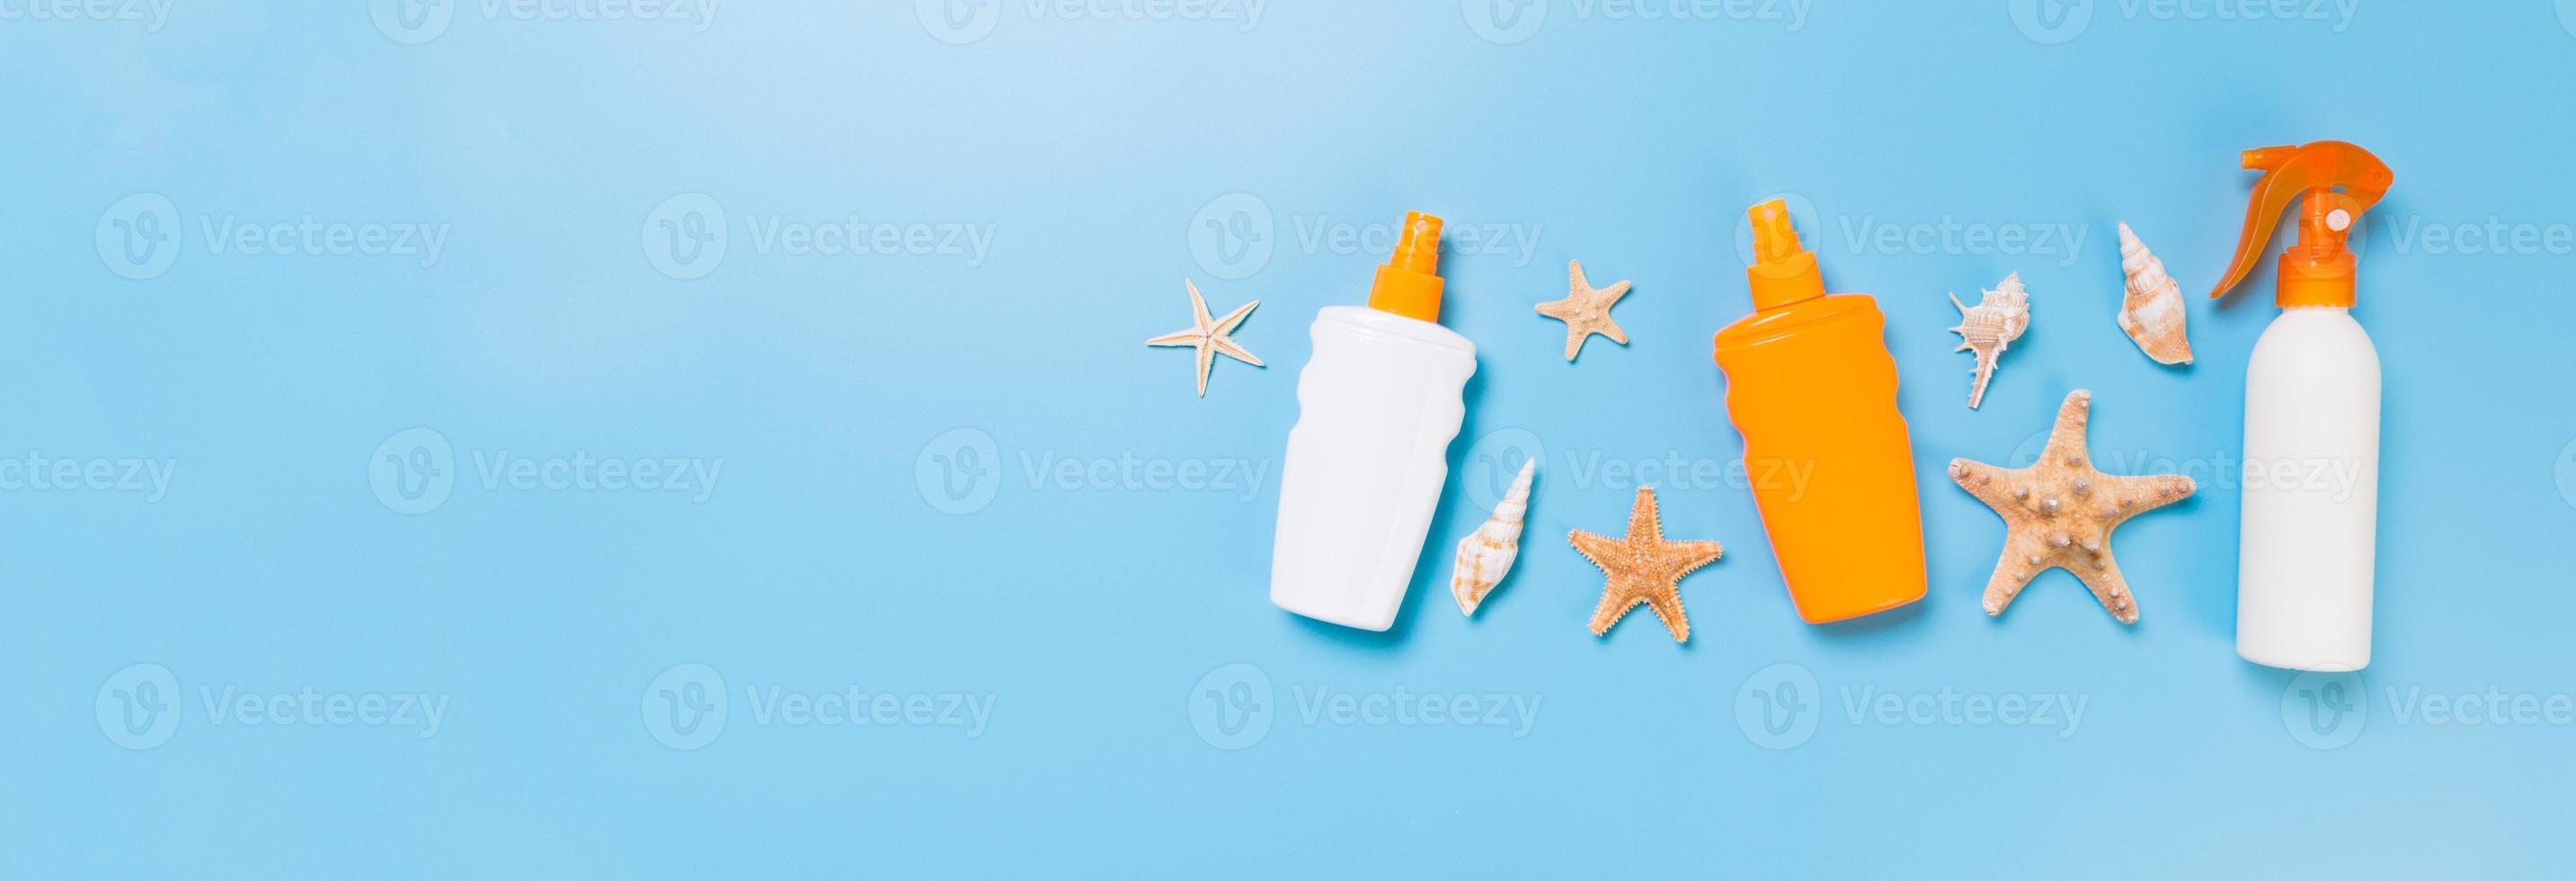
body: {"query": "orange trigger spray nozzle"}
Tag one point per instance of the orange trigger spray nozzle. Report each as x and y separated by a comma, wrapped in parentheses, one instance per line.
(2318, 269)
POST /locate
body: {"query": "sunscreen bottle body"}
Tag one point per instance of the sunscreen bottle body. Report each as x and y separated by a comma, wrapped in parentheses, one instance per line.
(2311, 493)
(1378, 406)
(1811, 387)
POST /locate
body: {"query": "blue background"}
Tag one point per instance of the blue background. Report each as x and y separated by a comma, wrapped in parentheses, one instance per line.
(1097, 615)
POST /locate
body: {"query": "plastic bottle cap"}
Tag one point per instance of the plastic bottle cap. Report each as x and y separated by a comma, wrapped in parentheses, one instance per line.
(1783, 272)
(1409, 284)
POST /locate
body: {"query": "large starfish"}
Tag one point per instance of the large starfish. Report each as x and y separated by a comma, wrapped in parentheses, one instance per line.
(2059, 513)
(1643, 568)
(1585, 310)
(1208, 335)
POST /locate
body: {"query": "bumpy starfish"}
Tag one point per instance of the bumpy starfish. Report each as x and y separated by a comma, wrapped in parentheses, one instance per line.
(1585, 310)
(1643, 568)
(1208, 335)
(2059, 513)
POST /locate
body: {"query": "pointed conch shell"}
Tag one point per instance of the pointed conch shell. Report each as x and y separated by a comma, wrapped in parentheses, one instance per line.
(1998, 319)
(1485, 555)
(2152, 312)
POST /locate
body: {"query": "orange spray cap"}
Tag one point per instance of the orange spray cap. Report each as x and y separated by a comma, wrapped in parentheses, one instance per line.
(1783, 272)
(1409, 284)
(2318, 269)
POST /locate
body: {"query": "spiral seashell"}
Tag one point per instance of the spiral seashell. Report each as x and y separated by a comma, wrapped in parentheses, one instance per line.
(2152, 312)
(1486, 555)
(1999, 317)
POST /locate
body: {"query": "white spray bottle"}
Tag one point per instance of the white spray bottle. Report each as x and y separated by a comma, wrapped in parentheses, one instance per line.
(1378, 404)
(2311, 480)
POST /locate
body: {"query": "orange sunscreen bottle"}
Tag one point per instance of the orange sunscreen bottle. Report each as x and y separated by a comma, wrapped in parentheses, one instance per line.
(1811, 387)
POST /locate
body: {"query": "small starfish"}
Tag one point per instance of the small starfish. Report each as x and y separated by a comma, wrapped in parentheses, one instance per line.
(1209, 336)
(1585, 310)
(1643, 568)
(2059, 513)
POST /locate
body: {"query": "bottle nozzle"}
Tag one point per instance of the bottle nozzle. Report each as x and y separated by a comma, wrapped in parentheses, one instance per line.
(1783, 271)
(1409, 284)
(2268, 158)
(2318, 270)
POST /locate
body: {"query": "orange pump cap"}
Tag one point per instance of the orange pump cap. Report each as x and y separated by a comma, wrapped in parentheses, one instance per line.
(1409, 284)
(1783, 271)
(2318, 269)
